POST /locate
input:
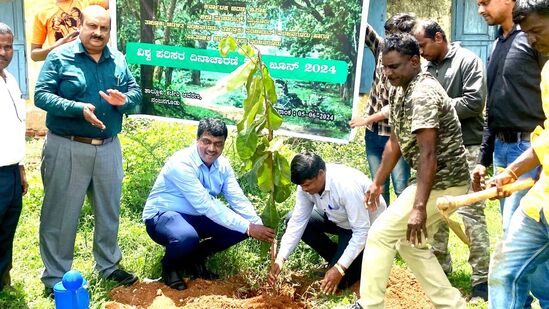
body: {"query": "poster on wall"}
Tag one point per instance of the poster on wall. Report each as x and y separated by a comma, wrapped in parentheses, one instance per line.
(313, 50)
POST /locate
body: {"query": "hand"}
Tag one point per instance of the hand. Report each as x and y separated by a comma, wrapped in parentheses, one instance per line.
(328, 285)
(91, 118)
(501, 179)
(24, 183)
(358, 122)
(371, 197)
(261, 232)
(478, 174)
(416, 226)
(114, 97)
(64, 40)
(273, 273)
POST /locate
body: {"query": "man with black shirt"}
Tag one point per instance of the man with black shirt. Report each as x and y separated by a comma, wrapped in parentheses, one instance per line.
(514, 105)
(514, 110)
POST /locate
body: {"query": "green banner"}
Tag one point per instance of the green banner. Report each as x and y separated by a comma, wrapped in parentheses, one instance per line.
(305, 69)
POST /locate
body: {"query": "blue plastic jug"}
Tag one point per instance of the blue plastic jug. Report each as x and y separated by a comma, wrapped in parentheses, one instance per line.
(71, 292)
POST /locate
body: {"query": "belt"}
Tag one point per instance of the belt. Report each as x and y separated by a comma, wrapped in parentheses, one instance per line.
(89, 140)
(9, 167)
(513, 137)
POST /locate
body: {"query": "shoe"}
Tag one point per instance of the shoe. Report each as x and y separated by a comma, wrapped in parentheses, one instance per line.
(173, 280)
(122, 277)
(199, 270)
(480, 291)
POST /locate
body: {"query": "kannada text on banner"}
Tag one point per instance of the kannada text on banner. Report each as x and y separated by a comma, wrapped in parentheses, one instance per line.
(311, 49)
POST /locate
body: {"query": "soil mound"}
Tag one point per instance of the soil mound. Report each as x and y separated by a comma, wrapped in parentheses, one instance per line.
(403, 291)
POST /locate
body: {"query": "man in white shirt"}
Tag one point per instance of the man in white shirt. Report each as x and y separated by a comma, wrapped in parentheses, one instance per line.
(329, 201)
(13, 184)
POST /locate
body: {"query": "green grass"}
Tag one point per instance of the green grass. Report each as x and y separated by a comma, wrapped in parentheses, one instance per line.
(146, 145)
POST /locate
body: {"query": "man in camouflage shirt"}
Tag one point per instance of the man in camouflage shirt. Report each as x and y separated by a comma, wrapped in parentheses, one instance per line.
(426, 131)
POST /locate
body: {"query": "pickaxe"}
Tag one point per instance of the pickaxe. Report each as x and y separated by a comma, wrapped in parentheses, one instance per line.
(447, 204)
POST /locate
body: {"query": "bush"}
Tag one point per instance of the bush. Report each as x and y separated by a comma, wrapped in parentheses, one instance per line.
(146, 145)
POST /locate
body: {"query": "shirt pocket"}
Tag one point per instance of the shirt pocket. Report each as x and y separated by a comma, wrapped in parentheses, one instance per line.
(338, 214)
(72, 85)
(120, 81)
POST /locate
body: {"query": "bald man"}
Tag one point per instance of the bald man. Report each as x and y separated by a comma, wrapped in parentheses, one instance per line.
(85, 88)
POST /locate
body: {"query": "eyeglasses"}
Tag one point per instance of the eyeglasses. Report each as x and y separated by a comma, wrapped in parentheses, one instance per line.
(207, 142)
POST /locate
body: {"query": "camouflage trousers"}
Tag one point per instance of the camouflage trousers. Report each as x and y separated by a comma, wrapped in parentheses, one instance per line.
(475, 229)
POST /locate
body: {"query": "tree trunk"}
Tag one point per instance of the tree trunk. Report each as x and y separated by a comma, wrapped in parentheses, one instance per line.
(167, 34)
(195, 75)
(168, 75)
(147, 11)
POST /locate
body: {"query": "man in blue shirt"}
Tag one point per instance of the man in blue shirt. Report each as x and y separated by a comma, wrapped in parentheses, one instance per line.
(84, 87)
(184, 214)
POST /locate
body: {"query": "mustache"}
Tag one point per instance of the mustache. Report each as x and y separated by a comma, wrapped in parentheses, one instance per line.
(98, 37)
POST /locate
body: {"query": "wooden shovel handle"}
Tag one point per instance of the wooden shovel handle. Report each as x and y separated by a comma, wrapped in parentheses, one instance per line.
(447, 203)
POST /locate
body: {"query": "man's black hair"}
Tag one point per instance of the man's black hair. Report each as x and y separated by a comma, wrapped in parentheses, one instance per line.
(404, 43)
(430, 29)
(524, 8)
(305, 166)
(215, 127)
(401, 22)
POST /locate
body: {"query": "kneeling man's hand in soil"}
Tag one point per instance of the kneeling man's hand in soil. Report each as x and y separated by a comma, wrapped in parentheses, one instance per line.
(328, 285)
(261, 232)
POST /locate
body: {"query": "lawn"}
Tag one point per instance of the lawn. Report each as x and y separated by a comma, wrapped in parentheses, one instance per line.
(146, 145)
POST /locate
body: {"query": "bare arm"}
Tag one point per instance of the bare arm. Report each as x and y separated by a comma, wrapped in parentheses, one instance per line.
(39, 53)
(426, 170)
(525, 162)
(390, 157)
(368, 121)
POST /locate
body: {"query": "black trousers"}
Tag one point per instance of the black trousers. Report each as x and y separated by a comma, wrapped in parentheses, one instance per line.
(316, 236)
(11, 202)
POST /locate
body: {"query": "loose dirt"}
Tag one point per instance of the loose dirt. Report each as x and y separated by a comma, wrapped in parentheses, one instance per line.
(403, 291)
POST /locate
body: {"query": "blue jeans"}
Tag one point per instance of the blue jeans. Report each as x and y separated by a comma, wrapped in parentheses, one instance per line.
(375, 144)
(505, 154)
(189, 239)
(520, 264)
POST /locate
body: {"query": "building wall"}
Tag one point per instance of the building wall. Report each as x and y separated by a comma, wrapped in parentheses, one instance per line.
(438, 10)
(35, 116)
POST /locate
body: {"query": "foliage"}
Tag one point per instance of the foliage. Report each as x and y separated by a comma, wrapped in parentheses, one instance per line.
(146, 148)
(261, 153)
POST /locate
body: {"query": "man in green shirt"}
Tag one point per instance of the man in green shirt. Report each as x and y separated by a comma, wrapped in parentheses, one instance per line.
(85, 88)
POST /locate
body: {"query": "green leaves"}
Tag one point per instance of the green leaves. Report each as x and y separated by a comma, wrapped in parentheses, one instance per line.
(247, 50)
(270, 215)
(255, 144)
(246, 143)
(226, 45)
(269, 85)
(275, 120)
(240, 75)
